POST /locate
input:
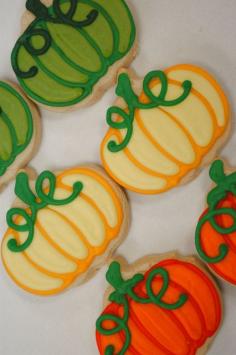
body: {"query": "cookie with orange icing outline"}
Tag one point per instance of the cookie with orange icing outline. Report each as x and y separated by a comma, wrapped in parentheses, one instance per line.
(62, 228)
(215, 236)
(160, 305)
(164, 128)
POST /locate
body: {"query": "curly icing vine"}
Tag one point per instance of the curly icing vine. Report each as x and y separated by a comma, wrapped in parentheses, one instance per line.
(224, 184)
(42, 15)
(126, 117)
(124, 291)
(45, 187)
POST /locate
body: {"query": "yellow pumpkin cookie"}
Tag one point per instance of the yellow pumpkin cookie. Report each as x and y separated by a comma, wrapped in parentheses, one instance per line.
(164, 128)
(62, 229)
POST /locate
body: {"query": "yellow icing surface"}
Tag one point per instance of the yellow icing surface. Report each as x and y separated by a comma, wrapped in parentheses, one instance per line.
(168, 134)
(168, 142)
(124, 170)
(67, 237)
(25, 273)
(97, 192)
(148, 154)
(197, 121)
(205, 87)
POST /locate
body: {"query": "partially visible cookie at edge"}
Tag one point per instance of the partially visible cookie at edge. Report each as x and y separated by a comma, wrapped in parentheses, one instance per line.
(20, 131)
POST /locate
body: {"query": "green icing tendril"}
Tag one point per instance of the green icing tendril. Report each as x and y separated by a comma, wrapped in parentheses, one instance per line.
(125, 91)
(42, 13)
(11, 118)
(224, 184)
(44, 196)
(124, 291)
(60, 17)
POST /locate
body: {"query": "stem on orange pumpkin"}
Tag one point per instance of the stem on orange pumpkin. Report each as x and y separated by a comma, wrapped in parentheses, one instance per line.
(45, 188)
(224, 184)
(124, 292)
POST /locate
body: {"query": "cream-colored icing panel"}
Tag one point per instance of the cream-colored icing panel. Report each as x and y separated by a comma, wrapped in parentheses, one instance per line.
(202, 85)
(168, 134)
(61, 232)
(45, 255)
(192, 114)
(98, 194)
(147, 154)
(25, 273)
(83, 215)
(129, 173)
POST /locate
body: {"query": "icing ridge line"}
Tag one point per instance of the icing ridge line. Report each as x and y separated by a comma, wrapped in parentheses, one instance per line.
(124, 290)
(16, 147)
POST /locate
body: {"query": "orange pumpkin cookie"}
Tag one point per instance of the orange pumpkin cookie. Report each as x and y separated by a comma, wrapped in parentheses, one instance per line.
(171, 307)
(164, 128)
(215, 237)
(73, 221)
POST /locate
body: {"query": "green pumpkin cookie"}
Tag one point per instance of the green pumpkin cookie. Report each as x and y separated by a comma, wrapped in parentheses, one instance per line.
(19, 131)
(70, 50)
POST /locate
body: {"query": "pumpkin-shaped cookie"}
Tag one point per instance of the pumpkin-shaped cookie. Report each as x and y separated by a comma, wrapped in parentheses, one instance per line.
(159, 138)
(70, 50)
(73, 222)
(173, 308)
(216, 230)
(19, 130)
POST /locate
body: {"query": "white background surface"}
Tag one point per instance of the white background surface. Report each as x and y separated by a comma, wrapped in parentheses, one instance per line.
(171, 31)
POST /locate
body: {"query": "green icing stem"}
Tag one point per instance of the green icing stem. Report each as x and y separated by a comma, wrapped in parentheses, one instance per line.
(17, 147)
(124, 90)
(35, 202)
(224, 185)
(124, 292)
(76, 91)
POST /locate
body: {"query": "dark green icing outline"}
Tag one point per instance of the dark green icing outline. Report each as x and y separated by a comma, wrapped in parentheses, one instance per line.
(17, 148)
(224, 184)
(35, 203)
(46, 14)
(125, 91)
(124, 290)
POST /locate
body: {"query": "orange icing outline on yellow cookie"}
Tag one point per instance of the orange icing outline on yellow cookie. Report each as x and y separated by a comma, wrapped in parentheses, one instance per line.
(82, 265)
(172, 180)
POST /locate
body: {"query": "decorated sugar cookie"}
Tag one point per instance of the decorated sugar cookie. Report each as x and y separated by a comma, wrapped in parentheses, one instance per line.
(164, 128)
(72, 223)
(19, 131)
(216, 230)
(70, 50)
(171, 307)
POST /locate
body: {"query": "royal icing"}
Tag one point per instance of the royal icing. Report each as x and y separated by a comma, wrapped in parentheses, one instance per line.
(16, 125)
(174, 308)
(71, 219)
(69, 47)
(216, 230)
(163, 134)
